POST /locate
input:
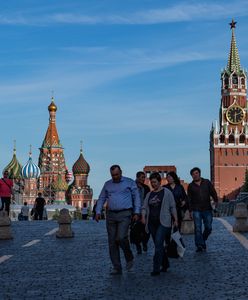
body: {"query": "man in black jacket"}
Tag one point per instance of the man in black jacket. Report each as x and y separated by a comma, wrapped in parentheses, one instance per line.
(138, 233)
(200, 191)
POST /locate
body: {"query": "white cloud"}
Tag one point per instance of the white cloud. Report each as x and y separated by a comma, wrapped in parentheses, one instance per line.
(176, 13)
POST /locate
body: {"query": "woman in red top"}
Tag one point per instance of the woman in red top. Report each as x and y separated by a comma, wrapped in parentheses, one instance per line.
(6, 187)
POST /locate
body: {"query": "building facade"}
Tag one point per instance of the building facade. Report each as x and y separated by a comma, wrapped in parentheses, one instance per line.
(229, 136)
(52, 182)
(79, 192)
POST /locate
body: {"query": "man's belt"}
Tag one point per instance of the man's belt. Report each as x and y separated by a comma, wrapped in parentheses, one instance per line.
(119, 210)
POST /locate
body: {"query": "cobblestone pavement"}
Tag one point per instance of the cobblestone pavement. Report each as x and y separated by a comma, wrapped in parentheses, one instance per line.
(78, 268)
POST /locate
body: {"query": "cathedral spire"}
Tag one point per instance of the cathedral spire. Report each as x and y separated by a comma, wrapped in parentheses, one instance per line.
(233, 59)
(52, 137)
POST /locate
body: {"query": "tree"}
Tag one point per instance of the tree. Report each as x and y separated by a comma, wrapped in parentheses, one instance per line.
(245, 186)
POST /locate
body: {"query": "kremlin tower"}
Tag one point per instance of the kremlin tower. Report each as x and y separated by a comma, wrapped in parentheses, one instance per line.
(52, 181)
(79, 191)
(30, 173)
(229, 137)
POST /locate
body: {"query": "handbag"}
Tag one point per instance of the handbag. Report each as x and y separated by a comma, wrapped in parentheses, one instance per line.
(180, 246)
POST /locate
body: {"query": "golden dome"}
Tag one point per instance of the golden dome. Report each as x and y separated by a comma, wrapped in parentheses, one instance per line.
(52, 106)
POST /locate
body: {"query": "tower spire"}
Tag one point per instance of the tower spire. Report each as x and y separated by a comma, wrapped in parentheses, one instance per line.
(81, 146)
(14, 150)
(233, 59)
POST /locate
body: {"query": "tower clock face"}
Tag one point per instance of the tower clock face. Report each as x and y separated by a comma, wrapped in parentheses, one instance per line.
(235, 114)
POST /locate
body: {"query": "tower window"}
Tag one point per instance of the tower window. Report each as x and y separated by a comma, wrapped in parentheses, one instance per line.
(226, 82)
(242, 81)
(235, 79)
(236, 178)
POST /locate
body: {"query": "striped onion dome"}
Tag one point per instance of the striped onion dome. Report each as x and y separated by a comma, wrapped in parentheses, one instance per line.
(60, 185)
(14, 167)
(30, 169)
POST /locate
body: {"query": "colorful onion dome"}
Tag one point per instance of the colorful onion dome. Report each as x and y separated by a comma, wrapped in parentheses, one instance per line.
(52, 106)
(60, 185)
(81, 166)
(30, 169)
(68, 176)
(14, 167)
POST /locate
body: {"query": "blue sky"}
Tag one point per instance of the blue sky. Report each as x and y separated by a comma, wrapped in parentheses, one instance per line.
(137, 81)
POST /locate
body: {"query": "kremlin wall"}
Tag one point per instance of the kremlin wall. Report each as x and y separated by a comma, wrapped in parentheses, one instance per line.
(51, 176)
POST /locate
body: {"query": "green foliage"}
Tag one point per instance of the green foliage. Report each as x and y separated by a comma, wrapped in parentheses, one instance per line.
(245, 186)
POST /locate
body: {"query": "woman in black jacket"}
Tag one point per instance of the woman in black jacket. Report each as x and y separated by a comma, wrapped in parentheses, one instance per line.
(179, 194)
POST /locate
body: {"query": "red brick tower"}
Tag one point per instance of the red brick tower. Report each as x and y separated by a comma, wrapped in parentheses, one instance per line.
(51, 159)
(79, 191)
(229, 138)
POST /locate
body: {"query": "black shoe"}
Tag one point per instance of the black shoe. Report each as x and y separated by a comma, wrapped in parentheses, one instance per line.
(139, 249)
(163, 270)
(145, 248)
(199, 249)
(116, 272)
(204, 248)
(155, 273)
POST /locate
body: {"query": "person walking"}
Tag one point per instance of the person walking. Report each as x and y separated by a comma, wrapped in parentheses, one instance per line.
(159, 205)
(174, 185)
(6, 191)
(122, 197)
(142, 237)
(200, 191)
(39, 204)
(84, 212)
(25, 211)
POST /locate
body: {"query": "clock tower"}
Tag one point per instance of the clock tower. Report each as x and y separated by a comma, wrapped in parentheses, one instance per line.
(229, 136)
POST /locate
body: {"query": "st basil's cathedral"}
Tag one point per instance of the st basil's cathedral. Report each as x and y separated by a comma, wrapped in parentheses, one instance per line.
(51, 176)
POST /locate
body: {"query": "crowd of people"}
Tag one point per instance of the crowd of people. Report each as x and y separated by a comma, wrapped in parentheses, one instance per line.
(153, 212)
(132, 207)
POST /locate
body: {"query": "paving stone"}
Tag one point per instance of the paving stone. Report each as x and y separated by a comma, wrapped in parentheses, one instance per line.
(79, 268)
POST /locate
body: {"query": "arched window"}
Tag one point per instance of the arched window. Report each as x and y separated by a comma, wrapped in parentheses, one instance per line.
(226, 82)
(242, 81)
(222, 138)
(235, 79)
(242, 139)
(231, 139)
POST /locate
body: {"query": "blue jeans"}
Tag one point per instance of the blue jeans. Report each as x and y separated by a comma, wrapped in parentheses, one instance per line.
(207, 218)
(159, 235)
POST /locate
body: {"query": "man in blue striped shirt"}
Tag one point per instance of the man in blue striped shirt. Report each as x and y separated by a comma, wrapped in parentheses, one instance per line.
(122, 198)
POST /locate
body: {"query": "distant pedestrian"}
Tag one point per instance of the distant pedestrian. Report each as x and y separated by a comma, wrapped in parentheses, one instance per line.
(200, 191)
(157, 211)
(180, 196)
(123, 200)
(6, 191)
(39, 207)
(84, 212)
(142, 237)
(25, 211)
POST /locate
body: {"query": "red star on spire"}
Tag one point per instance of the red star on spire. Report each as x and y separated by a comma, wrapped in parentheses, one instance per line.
(233, 24)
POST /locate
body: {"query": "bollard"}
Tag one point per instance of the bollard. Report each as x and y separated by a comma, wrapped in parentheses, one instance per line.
(64, 221)
(5, 230)
(187, 226)
(241, 214)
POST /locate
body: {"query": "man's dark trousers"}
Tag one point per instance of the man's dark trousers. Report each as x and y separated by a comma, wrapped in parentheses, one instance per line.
(6, 204)
(117, 223)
